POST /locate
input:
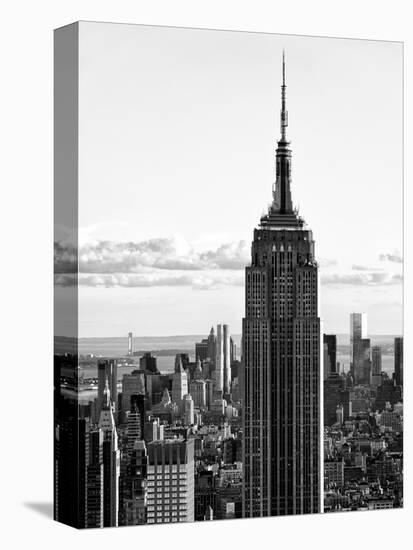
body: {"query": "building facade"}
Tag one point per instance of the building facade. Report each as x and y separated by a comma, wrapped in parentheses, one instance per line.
(170, 481)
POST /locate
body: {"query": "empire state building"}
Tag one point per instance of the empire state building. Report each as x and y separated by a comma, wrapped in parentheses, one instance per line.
(281, 357)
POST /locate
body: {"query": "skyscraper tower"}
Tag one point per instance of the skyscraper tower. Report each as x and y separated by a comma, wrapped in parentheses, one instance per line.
(281, 357)
(398, 360)
(358, 331)
(107, 372)
(330, 354)
(134, 428)
(179, 384)
(360, 363)
(95, 480)
(211, 345)
(376, 365)
(130, 344)
(111, 462)
(219, 361)
(227, 360)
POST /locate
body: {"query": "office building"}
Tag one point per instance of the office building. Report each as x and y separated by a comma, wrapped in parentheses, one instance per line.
(154, 430)
(179, 383)
(398, 360)
(201, 350)
(111, 462)
(133, 487)
(170, 475)
(188, 410)
(132, 384)
(197, 389)
(330, 354)
(130, 344)
(358, 331)
(148, 363)
(281, 357)
(376, 366)
(95, 480)
(361, 361)
(219, 362)
(226, 361)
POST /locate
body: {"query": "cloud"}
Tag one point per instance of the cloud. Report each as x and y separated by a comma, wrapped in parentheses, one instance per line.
(395, 257)
(358, 267)
(371, 278)
(175, 262)
(150, 263)
(203, 281)
(106, 257)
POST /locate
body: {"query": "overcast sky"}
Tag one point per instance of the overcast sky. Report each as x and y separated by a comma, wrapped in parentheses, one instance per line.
(178, 129)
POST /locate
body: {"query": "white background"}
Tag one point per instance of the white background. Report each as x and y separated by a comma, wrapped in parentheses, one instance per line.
(26, 269)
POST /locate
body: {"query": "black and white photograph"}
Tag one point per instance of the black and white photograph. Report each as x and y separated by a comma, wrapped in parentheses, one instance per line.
(228, 259)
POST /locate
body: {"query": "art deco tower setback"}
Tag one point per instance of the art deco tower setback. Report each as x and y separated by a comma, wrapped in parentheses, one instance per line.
(281, 357)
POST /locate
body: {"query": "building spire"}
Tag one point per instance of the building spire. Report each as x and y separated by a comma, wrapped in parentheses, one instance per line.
(282, 204)
(284, 112)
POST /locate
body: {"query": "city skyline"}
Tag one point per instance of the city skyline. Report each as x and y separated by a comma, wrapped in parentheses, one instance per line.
(138, 257)
(275, 423)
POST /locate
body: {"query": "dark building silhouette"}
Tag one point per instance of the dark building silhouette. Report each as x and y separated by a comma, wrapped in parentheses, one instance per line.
(229, 501)
(227, 361)
(233, 351)
(201, 350)
(132, 508)
(330, 354)
(95, 480)
(398, 360)
(281, 357)
(205, 494)
(148, 363)
(137, 403)
(156, 385)
(335, 394)
(358, 331)
(232, 450)
(376, 366)
(388, 392)
(362, 361)
(71, 461)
